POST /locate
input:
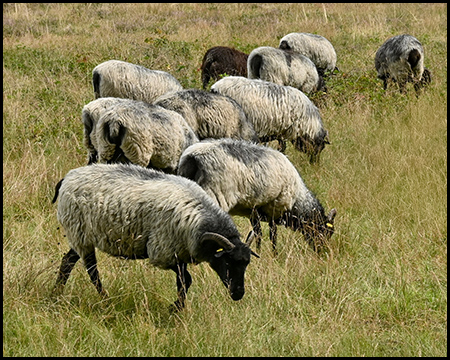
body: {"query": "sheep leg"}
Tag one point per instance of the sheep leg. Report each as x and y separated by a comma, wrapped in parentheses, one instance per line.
(417, 87)
(90, 262)
(273, 236)
(256, 224)
(281, 145)
(68, 262)
(184, 281)
(93, 157)
(402, 86)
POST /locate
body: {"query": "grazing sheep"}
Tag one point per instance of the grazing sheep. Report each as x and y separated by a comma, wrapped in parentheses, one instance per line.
(210, 115)
(315, 47)
(278, 112)
(260, 183)
(136, 213)
(90, 115)
(125, 80)
(284, 67)
(143, 134)
(220, 60)
(401, 58)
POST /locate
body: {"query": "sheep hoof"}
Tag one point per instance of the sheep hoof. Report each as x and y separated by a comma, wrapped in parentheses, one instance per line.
(104, 294)
(176, 306)
(57, 292)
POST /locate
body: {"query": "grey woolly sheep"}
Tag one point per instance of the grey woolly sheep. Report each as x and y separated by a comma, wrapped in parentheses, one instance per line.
(284, 67)
(210, 115)
(125, 80)
(143, 134)
(260, 183)
(401, 59)
(220, 60)
(136, 213)
(315, 47)
(278, 112)
(90, 115)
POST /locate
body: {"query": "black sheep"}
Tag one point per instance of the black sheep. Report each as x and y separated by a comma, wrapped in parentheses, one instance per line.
(220, 60)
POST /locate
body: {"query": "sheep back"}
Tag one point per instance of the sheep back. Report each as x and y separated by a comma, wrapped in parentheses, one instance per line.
(220, 60)
(283, 67)
(210, 115)
(401, 58)
(241, 176)
(133, 212)
(276, 111)
(315, 47)
(147, 135)
(125, 80)
(90, 115)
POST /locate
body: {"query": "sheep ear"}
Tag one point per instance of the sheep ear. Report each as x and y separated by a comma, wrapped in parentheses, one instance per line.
(222, 241)
(331, 215)
(326, 139)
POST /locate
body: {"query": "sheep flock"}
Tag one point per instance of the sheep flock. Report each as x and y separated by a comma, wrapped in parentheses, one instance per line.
(168, 167)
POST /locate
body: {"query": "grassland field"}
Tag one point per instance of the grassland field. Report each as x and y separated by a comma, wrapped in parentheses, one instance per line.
(380, 289)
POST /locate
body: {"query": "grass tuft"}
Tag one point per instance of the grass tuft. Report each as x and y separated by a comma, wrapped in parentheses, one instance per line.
(379, 290)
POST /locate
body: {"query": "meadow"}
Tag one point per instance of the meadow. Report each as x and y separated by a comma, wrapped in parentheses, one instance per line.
(379, 290)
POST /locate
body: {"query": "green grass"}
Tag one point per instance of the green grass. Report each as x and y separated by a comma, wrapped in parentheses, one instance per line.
(380, 290)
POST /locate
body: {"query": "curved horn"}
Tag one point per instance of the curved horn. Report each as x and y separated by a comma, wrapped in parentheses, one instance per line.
(219, 239)
(250, 237)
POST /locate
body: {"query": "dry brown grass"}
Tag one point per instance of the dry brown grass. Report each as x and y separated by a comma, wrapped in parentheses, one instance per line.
(382, 288)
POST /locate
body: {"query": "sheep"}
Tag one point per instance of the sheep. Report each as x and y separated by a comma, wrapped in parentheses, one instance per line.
(89, 116)
(125, 80)
(210, 115)
(220, 60)
(401, 58)
(143, 134)
(260, 183)
(315, 47)
(284, 67)
(278, 112)
(132, 212)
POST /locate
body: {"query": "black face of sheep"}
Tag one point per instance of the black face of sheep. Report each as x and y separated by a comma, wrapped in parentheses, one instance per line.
(311, 147)
(230, 261)
(317, 230)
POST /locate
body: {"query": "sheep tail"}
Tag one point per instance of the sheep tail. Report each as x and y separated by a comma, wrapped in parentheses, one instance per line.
(255, 65)
(114, 133)
(58, 185)
(96, 84)
(190, 168)
(414, 57)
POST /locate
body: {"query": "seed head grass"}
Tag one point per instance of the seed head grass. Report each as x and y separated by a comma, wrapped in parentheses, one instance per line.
(380, 289)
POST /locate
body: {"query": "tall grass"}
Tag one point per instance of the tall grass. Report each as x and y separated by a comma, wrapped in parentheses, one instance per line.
(381, 290)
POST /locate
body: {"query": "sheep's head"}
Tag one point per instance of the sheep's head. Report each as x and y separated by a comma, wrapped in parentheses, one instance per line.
(321, 85)
(317, 228)
(312, 147)
(229, 261)
(319, 231)
(284, 45)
